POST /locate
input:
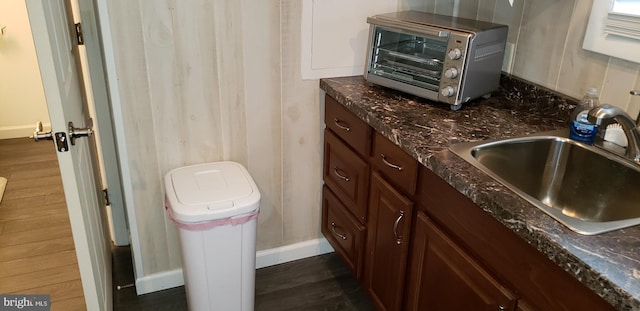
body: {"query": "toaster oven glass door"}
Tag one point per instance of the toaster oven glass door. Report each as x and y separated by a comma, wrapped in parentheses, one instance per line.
(408, 58)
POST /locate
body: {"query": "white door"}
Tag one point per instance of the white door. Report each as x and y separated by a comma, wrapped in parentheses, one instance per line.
(65, 99)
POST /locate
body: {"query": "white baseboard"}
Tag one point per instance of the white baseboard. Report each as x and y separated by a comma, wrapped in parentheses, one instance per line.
(159, 281)
(21, 131)
(264, 258)
(282, 254)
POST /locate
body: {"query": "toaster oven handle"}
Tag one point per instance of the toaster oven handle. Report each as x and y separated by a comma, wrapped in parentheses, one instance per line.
(397, 24)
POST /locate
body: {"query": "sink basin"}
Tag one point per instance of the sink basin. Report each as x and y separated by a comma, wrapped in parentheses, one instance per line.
(589, 190)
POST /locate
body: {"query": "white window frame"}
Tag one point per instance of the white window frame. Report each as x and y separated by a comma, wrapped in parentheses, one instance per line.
(598, 41)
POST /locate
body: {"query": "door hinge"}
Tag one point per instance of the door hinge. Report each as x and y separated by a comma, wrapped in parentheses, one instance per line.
(105, 191)
(79, 36)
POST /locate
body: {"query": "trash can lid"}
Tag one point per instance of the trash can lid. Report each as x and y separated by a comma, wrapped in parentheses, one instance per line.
(210, 191)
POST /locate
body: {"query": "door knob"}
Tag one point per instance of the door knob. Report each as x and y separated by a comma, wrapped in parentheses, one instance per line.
(38, 134)
(75, 132)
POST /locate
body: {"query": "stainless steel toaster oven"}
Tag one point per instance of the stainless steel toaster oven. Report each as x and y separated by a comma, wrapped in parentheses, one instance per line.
(441, 58)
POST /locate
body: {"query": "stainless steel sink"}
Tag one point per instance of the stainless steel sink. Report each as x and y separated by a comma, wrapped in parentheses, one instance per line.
(589, 190)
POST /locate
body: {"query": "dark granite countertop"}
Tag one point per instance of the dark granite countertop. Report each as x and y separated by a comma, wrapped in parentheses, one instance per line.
(609, 263)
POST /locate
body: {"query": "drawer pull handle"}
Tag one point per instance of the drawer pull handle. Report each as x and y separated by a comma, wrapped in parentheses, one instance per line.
(341, 125)
(389, 164)
(333, 229)
(395, 228)
(337, 172)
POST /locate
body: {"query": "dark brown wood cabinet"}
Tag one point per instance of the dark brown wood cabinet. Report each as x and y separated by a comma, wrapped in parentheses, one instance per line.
(524, 306)
(364, 209)
(393, 183)
(394, 164)
(444, 253)
(347, 142)
(353, 131)
(345, 233)
(442, 276)
(539, 283)
(388, 236)
(346, 174)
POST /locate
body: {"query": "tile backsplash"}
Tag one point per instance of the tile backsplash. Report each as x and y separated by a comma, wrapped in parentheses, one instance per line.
(547, 37)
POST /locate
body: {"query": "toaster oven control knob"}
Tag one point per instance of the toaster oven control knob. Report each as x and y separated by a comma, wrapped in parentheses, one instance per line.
(455, 53)
(451, 73)
(448, 91)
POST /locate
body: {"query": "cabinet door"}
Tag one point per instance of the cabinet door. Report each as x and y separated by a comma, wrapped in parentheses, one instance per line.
(444, 277)
(387, 244)
(543, 283)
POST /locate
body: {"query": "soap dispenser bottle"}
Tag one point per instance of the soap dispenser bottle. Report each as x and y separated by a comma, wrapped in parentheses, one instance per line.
(580, 128)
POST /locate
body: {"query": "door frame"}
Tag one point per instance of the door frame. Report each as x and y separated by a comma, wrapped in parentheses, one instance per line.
(101, 9)
(109, 76)
(103, 113)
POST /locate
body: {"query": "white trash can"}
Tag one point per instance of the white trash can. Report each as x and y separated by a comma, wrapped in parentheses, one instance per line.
(215, 207)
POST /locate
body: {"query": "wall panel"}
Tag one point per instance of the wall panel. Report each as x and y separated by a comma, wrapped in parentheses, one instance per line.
(301, 148)
(541, 40)
(137, 113)
(262, 72)
(619, 80)
(581, 69)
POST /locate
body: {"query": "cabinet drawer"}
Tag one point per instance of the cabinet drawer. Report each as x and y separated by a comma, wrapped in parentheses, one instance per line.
(395, 164)
(346, 174)
(343, 232)
(355, 132)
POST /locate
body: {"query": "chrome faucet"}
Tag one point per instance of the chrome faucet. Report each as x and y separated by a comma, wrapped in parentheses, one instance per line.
(604, 115)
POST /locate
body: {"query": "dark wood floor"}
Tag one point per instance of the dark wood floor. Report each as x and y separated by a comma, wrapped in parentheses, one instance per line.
(316, 283)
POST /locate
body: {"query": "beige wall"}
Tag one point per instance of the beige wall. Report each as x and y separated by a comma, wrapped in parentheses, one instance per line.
(22, 101)
(208, 80)
(214, 80)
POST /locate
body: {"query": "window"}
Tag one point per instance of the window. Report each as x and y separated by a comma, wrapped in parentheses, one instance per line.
(624, 19)
(614, 29)
(627, 6)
